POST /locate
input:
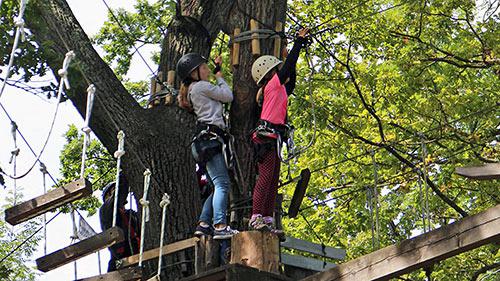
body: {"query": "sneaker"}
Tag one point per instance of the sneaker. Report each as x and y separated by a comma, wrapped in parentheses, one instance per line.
(258, 223)
(203, 231)
(225, 233)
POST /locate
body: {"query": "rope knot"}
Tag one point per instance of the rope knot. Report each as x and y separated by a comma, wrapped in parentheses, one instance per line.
(144, 203)
(165, 201)
(86, 130)
(121, 143)
(63, 72)
(43, 168)
(19, 22)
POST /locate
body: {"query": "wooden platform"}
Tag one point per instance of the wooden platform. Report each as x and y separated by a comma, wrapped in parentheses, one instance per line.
(237, 272)
(81, 249)
(421, 251)
(48, 202)
(126, 274)
(489, 171)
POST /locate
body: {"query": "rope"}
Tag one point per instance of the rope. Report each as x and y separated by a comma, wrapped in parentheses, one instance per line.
(145, 211)
(421, 197)
(13, 158)
(44, 171)
(118, 154)
(163, 204)
(256, 34)
(62, 83)
(86, 129)
(19, 24)
(426, 190)
(375, 195)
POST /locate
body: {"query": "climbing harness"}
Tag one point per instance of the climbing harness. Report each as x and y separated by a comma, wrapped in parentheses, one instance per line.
(145, 211)
(19, 24)
(118, 155)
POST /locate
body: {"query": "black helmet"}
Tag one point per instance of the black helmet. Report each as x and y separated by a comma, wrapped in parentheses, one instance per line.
(111, 185)
(187, 63)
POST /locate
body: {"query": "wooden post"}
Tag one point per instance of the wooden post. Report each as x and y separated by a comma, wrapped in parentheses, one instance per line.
(171, 77)
(254, 25)
(81, 249)
(277, 211)
(49, 201)
(277, 40)
(421, 251)
(126, 274)
(256, 249)
(236, 48)
(158, 82)
(199, 256)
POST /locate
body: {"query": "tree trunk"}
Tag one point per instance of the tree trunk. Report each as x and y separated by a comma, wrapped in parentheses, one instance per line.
(158, 138)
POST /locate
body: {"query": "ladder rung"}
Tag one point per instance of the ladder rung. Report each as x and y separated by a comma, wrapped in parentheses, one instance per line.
(81, 249)
(48, 201)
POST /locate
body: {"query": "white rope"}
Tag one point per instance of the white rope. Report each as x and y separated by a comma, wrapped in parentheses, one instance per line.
(44, 171)
(426, 190)
(118, 154)
(145, 210)
(86, 129)
(19, 24)
(13, 158)
(63, 72)
(375, 196)
(163, 204)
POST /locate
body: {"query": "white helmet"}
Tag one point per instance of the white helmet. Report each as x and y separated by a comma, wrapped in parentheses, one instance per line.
(262, 66)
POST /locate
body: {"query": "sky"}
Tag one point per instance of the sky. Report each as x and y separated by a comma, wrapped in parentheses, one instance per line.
(33, 116)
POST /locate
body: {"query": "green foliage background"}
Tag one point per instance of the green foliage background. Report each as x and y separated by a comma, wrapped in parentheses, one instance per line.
(389, 76)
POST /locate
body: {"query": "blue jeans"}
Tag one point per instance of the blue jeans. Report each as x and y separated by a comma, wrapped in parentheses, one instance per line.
(214, 208)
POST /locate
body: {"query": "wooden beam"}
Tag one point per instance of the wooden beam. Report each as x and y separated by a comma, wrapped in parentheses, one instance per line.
(489, 171)
(277, 40)
(298, 194)
(49, 201)
(81, 249)
(313, 248)
(254, 25)
(421, 251)
(236, 49)
(153, 253)
(126, 274)
(305, 262)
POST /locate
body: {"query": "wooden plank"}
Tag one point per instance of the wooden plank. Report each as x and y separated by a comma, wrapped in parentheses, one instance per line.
(236, 272)
(255, 39)
(277, 40)
(421, 251)
(171, 77)
(256, 249)
(126, 274)
(313, 248)
(236, 49)
(305, 262)
(81, 249)
(153, 253)
(48, 202)
(489, 171)
(298, 194)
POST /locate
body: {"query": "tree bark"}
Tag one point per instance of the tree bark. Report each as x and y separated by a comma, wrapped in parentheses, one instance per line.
(158, 138)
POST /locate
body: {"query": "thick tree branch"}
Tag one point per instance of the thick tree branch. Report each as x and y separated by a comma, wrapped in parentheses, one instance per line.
(484, 269)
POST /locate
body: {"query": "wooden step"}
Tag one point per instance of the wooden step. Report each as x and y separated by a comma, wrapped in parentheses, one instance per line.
(126, 274)
(48, 202)
(81, 249)
(489, 171)
(256, 249)
(152, 254)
